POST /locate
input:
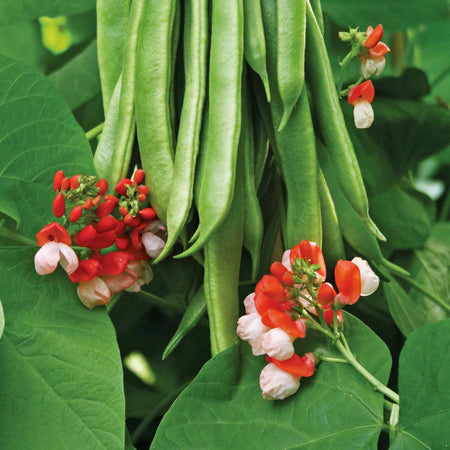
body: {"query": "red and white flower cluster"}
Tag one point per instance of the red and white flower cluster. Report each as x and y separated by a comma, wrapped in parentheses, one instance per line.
(115, 235)
(371, 52)
(285, 302)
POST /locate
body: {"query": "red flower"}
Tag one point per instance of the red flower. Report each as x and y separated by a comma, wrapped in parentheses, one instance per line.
(310, 252)
(53, 232)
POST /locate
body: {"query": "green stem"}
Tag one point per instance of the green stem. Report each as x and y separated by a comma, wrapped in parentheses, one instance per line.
(12, 235)
(344, 64)
(91, 134)
(445, 207)
(388, 405)
(333, 360)
(346, 91)
(367, 375)
(393, 422)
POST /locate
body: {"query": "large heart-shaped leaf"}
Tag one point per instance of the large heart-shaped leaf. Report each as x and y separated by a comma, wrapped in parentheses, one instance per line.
(336, 408)
(424, 389)
(59, 362)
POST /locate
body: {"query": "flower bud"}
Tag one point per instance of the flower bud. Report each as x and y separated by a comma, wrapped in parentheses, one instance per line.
(276, 384)
(106, 223)
(74, 181)
(65, 184)
(250, 327)
(107, 207)
(121, 187)
(147, 213)
(138, 177)
(57, 179)
(278, 344)
(143, 189)
(59, 205)
(153, 244)
(93, 293)
(86, 236)
(88, 203)
(76, 213)
(102, 184)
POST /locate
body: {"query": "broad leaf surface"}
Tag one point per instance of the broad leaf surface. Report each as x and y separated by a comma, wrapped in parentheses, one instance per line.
(424, 389)
(59, 362)
(336, 408)
(430, 267)
(394, 16)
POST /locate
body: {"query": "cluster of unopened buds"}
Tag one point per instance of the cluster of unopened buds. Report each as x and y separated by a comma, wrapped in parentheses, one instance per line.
(369, 48)
(291, 299)
(114, 236)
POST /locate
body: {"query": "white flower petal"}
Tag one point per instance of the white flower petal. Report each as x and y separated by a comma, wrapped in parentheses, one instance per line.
(153, 244)
(278, 344)
(69, 259)
(369, 279)
(379, 62)
(249, 303)
(93, 293)
(47, 258)
(256, 344)
(286, 261)
(276, 384)
(368, 68)
(362, 113)
(250, 327)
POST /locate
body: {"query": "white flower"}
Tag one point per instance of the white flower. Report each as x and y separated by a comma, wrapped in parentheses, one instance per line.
(152, 240)
(249, 303)
(48, 256)
(250, 327)
(143, 272)
(362, 113)
(276, 384)
(278, 344)
(369, 280)
(285, 260)
(93, 293)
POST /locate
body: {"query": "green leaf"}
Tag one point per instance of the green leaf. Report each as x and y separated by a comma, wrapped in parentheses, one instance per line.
(194, 312)
(398, 15)
(411, 85)
(60, 365)
(424, 389)
(12, 11)
(2, 320)
(336, 408)
(78, 81)
(430, 267)
(401, 218)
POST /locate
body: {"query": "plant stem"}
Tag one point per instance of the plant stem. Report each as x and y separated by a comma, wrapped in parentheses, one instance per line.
(388, 405)
(95, 131)
(393, 421)
(367, 375)
(8, 234)
(333, 360)
(344, 64)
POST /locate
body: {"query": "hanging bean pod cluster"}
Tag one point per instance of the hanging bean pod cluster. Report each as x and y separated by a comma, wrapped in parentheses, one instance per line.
(239, 131)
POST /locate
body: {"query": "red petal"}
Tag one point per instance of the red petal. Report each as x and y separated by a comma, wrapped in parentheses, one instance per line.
(86, 271)
(326, 294)
(103, 240)
(271, 287)
(263, 303)
(107, 207)
(86, 236)
(107, 223)
(114, 263)
(300, 366)
(310, 252)
(53, 232)
(281, 273)
(374, 36)
(123, 242)
(364, 91)
(276, 319)
(348, 281)
(379, 50)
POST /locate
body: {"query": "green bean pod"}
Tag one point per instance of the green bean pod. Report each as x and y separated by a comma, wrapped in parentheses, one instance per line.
(195, 42)
(318, 14)
(112, 161)
(295, 151)
(332, 243)
(261, 148)
(291, 27)
(225, 72)
(253, 222)
(222, 262)
(152, 101)
(254, 41)
(173, 66)
(332, 124)
(112, 25)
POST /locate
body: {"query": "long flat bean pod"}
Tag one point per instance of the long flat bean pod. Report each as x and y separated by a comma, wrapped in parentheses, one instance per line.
(295, 151)
(195, 42)
(291, 26)
(113, 161)
(332, 122)
(222, 262)
(253, 223)
(225, 71)
(261, 147)
(152, 101)
(112, 25)
(254, 41)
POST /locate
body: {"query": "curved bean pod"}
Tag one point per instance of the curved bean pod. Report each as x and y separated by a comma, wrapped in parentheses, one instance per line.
(225, 72)
(291, 26)
(254, 41)
(332, 122)
(112, 25)
(152, 101)
(191, 120)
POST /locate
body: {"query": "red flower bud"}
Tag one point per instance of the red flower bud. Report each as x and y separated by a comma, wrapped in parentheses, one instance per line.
(107, 223)
(102, 184)
(74, 181)
(86, 236)
(88, 203)
(59, 205)
(138, 177)
(120, 227)
(65, 184)
(135, 239)
(374, 36)
(123, 242)
(123, 211)
(127, 219)
(326, 294)
(142, 197)
(112, 198)
(107, 207)
(147, 213)
(134, 222)
(121, 187)
(96, 200)
(76, 213)
(143, 189)
(57, 179)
